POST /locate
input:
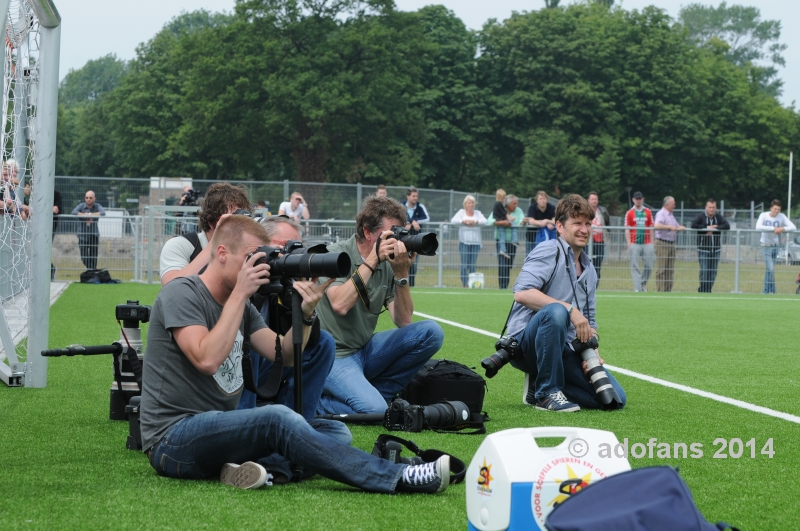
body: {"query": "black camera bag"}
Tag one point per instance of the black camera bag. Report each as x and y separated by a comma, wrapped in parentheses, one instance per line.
(441, 380)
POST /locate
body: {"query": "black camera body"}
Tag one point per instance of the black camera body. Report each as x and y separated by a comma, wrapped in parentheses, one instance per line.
(506, 349)
(424, 243)
(400, 415)
(190, 197)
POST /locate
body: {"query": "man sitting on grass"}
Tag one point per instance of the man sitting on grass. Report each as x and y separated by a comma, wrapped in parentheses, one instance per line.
(555, 301)
(192, 382)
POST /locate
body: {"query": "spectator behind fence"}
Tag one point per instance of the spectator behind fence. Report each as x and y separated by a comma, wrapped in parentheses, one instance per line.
(772, 224)
(709, 225)
(57, 208)
(514, 217)
(263, 205)
(640, 241)
(88, 232)
(8, 189)
(183, 256)
(417, 215)
(505, 238)
(601, 219)
(296, 208)
(667, 228)
(540, 216)
(380, 190)
(469, 236)
(371, 368)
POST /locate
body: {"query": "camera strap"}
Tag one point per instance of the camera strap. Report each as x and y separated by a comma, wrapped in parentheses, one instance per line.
(269, 389)
(457, 467)
(542, 289)
(361, 288)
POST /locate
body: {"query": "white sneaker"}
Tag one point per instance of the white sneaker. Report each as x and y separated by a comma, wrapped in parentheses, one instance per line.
(248, 475)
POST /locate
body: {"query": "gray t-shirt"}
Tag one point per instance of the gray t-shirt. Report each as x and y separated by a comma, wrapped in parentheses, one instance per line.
(173, 388)
(354, 330)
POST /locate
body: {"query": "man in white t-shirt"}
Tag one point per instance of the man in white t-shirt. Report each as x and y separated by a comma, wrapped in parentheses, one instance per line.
(772, 224)
(183, 256)
(296, 208)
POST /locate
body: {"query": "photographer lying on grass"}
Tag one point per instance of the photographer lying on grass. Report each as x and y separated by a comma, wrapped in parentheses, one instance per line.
(192, 382)
(555, 302)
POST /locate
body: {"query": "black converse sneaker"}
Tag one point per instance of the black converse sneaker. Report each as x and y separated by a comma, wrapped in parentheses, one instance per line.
(248, 475)
(426, 479)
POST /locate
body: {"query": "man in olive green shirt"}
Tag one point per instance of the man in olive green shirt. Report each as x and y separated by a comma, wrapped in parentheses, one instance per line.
(371, 369)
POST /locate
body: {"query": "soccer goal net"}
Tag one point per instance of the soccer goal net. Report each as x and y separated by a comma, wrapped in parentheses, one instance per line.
(27, 162)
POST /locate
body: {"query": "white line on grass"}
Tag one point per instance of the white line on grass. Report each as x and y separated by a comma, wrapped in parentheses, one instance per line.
(601, 295)
(651, 379)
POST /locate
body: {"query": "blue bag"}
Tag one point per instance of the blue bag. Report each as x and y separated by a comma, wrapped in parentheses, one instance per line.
(543, 234)
(644, 499)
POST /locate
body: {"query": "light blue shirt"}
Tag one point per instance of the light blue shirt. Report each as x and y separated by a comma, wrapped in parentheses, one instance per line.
(546, 265)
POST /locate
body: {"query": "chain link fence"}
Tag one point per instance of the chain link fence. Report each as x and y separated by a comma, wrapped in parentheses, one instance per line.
(142, 216)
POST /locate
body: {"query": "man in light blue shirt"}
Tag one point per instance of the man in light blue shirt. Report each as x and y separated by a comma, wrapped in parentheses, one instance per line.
(555, 302)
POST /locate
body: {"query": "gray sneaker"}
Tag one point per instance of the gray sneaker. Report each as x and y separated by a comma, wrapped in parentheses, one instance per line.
(248, 475)
(428, 478)
(557, 402)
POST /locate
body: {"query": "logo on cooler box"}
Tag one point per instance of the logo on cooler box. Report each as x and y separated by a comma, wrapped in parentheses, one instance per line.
(485, 479)
(559, 479)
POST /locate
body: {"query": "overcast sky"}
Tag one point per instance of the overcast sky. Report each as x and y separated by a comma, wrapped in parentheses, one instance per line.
(94, 28)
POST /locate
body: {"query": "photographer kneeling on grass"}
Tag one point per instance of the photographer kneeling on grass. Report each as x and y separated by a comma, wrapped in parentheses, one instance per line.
(555, 302)
(192, 381)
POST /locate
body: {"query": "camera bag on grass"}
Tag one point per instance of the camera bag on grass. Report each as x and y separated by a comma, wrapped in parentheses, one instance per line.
(441, 380)
(97, 276)
(644, 499)
(389, 447)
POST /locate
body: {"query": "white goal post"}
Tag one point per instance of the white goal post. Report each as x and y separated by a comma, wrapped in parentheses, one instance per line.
(27, 160)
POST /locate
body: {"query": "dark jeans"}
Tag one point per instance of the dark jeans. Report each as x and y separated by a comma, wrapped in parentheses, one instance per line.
(87, 243)
(196, 447)
(412, 272)
(709, 260)
(504, 264)
(553, 365)
(469, 257)
(317, 363)
(598, 253)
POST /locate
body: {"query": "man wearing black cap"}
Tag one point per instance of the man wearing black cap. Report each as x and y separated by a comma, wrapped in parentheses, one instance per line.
(640, 241)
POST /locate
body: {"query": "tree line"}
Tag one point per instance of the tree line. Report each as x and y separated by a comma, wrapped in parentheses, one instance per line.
(564, 99)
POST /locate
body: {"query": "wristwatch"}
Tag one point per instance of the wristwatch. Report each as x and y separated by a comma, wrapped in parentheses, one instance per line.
(310, 320)
(401, 282)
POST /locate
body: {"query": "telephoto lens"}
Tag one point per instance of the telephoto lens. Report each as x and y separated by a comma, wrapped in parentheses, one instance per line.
(446, 414)
(424, 243)
(598, 376)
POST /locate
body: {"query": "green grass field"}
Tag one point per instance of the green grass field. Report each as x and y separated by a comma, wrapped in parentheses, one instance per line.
(64, 464)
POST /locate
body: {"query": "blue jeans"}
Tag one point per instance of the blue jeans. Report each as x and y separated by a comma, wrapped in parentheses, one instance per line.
(317, 363)
(469, 257)
(554, 365)
(501, 239)
(367, 380)
(196, 447)
(709, 260)
(770, 255)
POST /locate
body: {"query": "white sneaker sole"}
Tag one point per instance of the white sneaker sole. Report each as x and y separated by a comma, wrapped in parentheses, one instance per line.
(566, 410)
(248, 475)
(443, 466)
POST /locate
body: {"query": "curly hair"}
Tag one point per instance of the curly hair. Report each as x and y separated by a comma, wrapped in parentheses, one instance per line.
(573, 206)
(374, 210)
(219, 199)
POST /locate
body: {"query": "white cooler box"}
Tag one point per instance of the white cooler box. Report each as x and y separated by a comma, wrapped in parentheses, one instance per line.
(513, 484)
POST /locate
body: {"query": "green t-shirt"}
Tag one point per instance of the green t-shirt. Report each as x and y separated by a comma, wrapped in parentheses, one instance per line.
(354, 330)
